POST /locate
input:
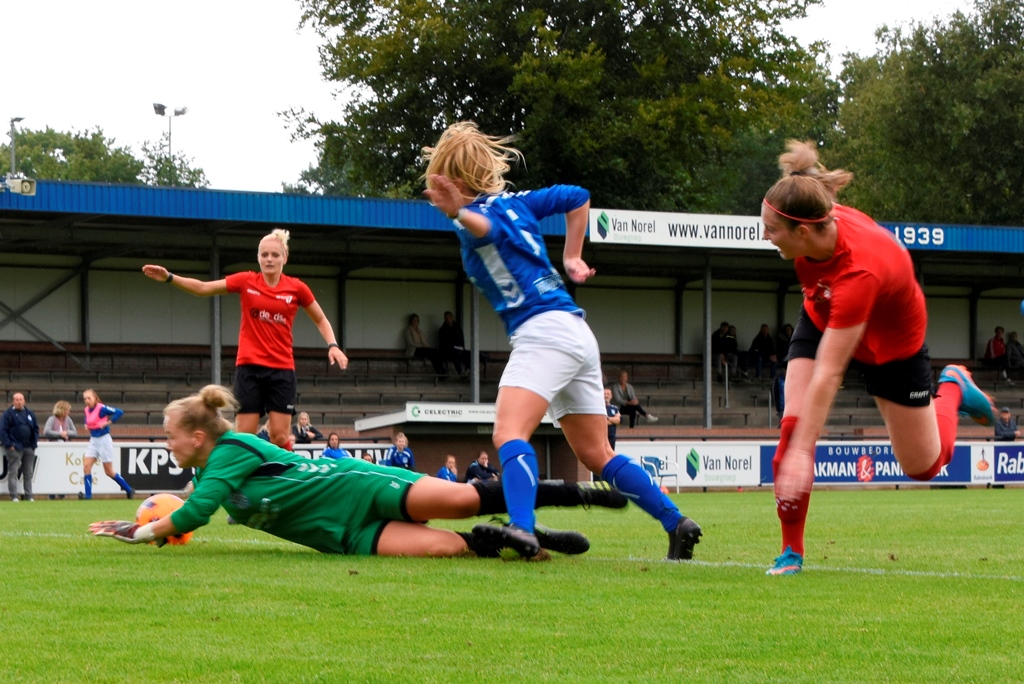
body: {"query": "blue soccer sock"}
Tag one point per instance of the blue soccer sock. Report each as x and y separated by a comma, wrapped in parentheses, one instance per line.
(88, 486)
(633, 481)
(120, 480)
(519, 481)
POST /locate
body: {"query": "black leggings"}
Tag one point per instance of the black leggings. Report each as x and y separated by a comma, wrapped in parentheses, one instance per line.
(632, 410)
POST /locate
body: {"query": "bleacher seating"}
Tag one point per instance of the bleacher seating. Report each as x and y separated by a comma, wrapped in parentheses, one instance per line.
(141, 380)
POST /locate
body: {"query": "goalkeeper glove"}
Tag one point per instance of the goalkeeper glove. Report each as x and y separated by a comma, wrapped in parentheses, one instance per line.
(127, 532)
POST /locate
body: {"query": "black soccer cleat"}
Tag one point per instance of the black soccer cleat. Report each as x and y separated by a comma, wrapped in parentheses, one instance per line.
(563, 541)
(682, 540)
(508, 537)
(600, 493)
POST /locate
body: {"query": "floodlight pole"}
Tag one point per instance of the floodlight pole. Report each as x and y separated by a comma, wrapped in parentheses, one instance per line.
(162, 110)
(14, 120)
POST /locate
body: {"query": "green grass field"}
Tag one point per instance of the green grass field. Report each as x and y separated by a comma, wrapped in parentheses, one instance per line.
(899, 586)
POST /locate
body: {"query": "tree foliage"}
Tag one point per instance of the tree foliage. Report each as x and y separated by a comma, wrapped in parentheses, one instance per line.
(85, 156)
(91, 156)
(651, 104)
(175, 170)
(933, 125)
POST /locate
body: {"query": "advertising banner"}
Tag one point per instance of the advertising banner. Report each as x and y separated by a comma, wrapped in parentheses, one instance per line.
(454, 412)
(697, 464)
(1007, 462)
(146, 466)
(864, 463)
(677, 230)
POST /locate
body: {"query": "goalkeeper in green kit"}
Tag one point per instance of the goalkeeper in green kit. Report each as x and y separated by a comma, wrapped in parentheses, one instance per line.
(346, 506)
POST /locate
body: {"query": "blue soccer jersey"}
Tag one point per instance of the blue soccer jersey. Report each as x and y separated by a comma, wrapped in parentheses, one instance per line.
(510, 264)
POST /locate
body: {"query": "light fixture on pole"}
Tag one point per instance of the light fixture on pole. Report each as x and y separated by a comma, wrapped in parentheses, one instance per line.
(162, 110)
(14, 120)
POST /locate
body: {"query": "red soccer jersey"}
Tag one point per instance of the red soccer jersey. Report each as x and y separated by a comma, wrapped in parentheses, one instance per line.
(265, 336)
(869, 278)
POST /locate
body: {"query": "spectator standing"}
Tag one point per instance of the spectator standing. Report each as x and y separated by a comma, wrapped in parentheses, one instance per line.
(449, 471)
(1006, 427)
(265, 365)
(1014, 352)
(718, 348)
(98, 419)
(333, 448)
(624, 396)
(303, 432)
(779, 393)
(452, 344)
(400, 455)
(59, 426)
(614, 417)
(995, 354)
(19, 433)
(762, 351)
(731, 352)
(782, 344)
(416, 346)
(480, 470)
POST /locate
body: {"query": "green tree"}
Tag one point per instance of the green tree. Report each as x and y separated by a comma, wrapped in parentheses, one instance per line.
(85, 156)
(175, 170)
(650, 104)
(933, 124)
(91, 156)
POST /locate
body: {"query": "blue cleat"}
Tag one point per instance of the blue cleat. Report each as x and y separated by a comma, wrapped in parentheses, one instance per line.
(974, 403)
(788, 563)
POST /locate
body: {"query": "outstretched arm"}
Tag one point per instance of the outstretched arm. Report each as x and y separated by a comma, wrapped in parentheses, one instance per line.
(201, 288)
(796, 471)
(334, 352)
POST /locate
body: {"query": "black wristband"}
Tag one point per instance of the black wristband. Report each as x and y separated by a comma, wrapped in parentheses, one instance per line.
(170, 277)
(333, 344)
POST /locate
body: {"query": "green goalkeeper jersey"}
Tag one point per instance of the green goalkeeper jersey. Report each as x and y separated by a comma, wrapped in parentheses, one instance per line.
(331, 505)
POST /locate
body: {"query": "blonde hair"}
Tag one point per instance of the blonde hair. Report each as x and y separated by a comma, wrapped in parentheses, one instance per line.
(202, 411)
(281, 235)
(61, 408)
(93, 393)
(806, 190)
(479, 160)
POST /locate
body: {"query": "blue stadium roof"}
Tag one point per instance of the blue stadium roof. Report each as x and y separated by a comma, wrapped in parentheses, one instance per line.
(225, 205)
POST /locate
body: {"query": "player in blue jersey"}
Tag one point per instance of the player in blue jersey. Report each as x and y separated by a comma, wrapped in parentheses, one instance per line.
(555, 364)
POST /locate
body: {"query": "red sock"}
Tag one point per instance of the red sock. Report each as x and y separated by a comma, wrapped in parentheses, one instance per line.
(947, 405)
(792, 514)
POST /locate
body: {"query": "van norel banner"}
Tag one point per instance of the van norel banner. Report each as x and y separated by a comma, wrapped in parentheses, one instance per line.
(618, 226)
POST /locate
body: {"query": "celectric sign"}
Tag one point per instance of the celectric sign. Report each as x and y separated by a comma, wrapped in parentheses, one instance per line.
(420, 412)
(677, 230)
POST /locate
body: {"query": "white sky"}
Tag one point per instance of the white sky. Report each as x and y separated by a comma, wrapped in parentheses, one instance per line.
(73, 64)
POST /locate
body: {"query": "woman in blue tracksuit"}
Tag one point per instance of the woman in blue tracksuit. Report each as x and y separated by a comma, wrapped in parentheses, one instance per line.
(555, 363)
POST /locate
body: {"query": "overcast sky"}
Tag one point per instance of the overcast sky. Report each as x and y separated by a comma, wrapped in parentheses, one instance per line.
(71, 64)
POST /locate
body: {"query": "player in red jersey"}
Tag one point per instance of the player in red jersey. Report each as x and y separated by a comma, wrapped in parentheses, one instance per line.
(265, 365)
(862, 304)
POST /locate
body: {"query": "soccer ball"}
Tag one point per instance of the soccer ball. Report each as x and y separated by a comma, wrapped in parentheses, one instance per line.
(160, 506)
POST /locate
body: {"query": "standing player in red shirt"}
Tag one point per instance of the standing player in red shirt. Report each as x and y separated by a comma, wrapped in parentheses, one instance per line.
(862, 303)
(265, 365)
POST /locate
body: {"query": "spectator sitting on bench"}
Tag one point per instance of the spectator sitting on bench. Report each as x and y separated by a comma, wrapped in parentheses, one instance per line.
(624, 397)
(303, 432)
(416, 346)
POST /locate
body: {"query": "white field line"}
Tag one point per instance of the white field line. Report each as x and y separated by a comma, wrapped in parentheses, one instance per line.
(631, 559)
